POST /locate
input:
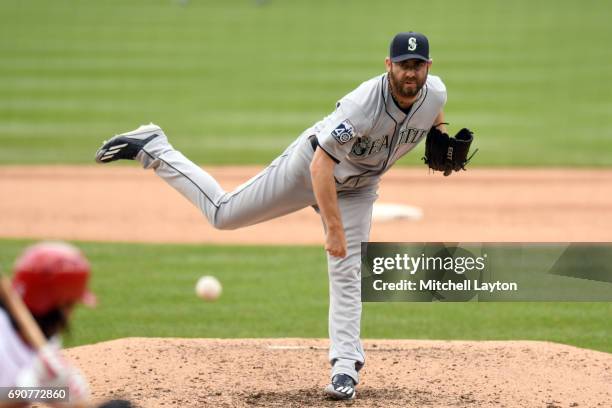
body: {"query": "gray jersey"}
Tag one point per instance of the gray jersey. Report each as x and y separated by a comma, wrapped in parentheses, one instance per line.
(368, 132)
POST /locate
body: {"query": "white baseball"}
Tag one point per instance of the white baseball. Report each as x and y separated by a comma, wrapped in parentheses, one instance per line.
(208, 288)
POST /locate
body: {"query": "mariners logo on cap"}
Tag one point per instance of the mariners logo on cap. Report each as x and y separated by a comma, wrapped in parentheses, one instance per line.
(412, 44)
(343, 132)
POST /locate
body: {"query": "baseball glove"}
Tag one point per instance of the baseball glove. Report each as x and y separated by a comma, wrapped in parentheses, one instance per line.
(448, 153)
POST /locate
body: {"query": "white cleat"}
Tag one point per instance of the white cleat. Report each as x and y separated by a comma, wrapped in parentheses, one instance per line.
(127, 145)
(342, 387)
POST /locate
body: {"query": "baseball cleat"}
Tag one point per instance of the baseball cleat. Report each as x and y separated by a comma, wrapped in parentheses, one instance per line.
(127, 145)
(342, 387)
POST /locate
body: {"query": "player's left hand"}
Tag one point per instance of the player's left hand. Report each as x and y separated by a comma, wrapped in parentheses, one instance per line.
(448, 153)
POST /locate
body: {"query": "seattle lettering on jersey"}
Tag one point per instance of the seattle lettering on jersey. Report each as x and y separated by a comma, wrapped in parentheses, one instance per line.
(364, 146)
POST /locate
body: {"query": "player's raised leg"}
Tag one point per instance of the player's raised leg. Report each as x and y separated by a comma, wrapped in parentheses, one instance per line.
(281, 188)
(346, 352)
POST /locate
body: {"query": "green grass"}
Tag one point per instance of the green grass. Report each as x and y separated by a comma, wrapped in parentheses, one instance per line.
(148, 290)
(234, 82)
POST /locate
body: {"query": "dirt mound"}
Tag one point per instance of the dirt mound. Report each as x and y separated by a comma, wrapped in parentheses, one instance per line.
(399, 373)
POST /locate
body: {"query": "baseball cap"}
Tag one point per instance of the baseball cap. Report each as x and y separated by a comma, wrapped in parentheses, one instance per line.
(410, 45)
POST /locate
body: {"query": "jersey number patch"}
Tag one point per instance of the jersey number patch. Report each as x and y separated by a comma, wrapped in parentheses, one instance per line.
(343, 132)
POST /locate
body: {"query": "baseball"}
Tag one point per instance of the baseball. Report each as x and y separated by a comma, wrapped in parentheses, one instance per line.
(208, 288)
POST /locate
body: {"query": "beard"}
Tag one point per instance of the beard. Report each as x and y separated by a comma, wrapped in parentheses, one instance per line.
(407, 88)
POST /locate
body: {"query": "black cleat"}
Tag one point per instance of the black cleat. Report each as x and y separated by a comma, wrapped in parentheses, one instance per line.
(127, 145)
(342, 387)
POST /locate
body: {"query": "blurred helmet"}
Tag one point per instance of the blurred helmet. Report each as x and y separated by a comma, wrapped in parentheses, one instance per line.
(48, 275)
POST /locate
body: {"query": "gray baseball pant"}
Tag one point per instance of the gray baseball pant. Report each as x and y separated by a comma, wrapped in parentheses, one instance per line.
(283, 187)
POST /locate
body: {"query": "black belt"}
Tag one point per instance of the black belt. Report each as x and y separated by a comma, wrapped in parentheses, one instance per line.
(313, 142)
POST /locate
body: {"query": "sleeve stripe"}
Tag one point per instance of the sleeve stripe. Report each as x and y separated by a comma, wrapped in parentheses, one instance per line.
(329, 154)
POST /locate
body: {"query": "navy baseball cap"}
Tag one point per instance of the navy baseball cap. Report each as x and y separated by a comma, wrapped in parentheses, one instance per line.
(409, 45)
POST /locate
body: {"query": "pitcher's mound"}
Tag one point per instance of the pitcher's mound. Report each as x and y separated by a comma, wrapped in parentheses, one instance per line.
(293, 372)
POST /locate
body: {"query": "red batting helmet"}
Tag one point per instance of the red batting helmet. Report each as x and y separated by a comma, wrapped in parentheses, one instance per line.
(52, 274)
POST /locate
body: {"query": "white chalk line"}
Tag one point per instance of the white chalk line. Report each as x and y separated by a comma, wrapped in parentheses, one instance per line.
(297, 348)
(278, 347)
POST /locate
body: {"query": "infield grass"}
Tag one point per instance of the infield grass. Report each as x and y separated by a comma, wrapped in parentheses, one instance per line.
(148, 290)
(233, 82)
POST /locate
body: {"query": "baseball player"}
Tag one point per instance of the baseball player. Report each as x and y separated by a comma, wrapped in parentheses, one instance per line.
(334, 166)
(51, 278)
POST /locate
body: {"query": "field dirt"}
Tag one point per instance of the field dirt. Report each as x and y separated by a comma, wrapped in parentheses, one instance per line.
(127, 204)
(399, 373)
